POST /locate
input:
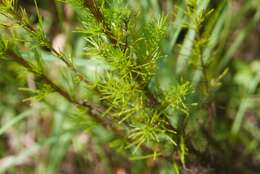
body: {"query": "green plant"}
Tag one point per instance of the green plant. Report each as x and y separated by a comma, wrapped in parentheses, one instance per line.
(148, 114)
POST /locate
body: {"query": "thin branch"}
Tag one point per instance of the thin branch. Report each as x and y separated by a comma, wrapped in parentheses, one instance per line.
(210, 105)
(95, 10)
(47, 46)
(95, 110)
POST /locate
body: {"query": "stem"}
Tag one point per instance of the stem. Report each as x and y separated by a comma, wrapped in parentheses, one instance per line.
(95, 10)
(95, 110)
(47, 45)
(210, 105)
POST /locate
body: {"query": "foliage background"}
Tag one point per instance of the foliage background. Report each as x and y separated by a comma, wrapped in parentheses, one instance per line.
(221, 134)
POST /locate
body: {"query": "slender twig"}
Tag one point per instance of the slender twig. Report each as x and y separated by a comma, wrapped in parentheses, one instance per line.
(210, 105)
(47, 46)
(126, 23)
(96, 12)
(95, 110)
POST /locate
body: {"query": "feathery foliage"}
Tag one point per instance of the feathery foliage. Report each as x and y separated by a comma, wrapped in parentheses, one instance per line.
(156, 78)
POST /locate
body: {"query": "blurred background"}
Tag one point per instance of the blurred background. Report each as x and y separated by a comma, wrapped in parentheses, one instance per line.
(41, 136)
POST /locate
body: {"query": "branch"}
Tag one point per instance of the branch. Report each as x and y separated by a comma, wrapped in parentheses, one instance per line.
(95, 110)
(210, 106)
(47, 45)
(95, 10)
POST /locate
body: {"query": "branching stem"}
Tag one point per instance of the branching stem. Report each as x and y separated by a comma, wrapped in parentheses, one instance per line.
(96, 12)
(95, 110)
